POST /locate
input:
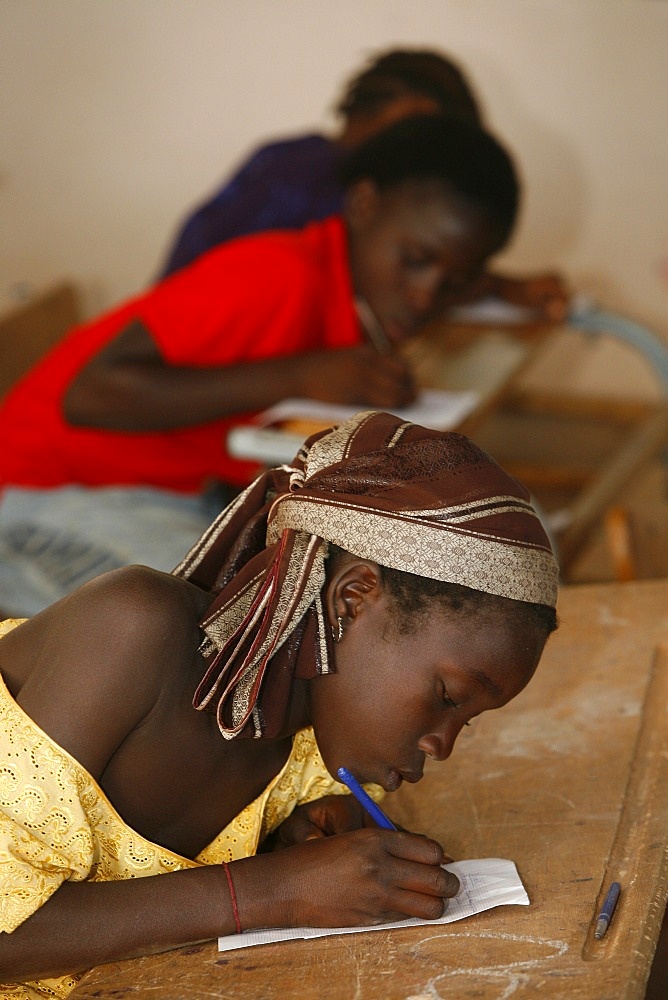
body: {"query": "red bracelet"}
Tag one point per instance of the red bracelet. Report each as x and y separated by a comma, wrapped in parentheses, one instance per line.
(233, 896)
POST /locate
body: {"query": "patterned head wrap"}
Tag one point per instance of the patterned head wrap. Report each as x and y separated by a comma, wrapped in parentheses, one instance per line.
(412, 499)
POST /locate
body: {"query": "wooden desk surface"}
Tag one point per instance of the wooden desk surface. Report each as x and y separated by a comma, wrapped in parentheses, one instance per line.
(569, 781)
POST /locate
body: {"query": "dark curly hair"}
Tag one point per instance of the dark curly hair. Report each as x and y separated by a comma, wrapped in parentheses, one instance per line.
(463, 157)
(399, 72)
(414, 597)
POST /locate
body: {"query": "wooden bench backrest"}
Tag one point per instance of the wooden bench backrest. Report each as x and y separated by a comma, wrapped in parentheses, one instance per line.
(29, 331)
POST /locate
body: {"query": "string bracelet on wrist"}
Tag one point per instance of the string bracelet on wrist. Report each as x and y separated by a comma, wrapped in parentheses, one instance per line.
(233, 897)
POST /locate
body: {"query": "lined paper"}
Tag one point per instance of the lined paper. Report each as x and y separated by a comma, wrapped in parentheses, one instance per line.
(485, 883)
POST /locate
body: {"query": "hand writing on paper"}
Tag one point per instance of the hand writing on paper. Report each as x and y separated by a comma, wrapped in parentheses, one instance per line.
(485, 882)
(356, 376)
(547, 294)
(364, 877)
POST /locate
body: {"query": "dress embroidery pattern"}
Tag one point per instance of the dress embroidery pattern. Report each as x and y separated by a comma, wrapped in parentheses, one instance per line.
(56, 824)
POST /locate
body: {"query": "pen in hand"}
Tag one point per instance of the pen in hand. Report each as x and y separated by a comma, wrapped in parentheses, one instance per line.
(375, 811)
(364, 799)
(372, 327)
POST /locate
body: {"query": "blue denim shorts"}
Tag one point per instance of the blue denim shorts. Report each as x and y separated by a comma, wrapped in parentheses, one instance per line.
(52, 541)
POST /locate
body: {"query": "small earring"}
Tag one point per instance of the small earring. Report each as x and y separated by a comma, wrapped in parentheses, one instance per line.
(337, 634)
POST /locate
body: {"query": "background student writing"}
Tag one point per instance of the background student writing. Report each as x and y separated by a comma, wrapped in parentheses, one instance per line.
(143, 397)
(291, 182)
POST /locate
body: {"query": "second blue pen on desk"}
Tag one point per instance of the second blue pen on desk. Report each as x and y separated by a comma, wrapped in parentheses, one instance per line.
(607, 911)
(365, 799)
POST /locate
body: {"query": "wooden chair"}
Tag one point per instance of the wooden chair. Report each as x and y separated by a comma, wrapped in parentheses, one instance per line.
(28, 331)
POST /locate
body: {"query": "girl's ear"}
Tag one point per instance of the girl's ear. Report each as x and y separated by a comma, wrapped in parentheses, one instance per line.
(361, 203)
(352, 586)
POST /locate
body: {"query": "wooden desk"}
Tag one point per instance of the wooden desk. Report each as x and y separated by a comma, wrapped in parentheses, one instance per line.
(569, 780)
(574, 452)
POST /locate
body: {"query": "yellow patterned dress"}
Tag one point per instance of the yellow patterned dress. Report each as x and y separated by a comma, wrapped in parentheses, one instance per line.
(56, 824)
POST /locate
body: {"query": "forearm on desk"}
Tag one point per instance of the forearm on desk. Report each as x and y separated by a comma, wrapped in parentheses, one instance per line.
(156, 397)
(90, 923)
(153, 396)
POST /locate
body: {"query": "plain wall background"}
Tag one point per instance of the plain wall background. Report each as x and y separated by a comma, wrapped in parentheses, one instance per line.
(118, 116)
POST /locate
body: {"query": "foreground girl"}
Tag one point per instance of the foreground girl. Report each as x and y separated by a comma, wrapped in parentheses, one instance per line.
(357, 608)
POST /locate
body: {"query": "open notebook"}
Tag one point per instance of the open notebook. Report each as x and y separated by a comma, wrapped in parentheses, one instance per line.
(485, 883)
(437, 408)
(278, 432)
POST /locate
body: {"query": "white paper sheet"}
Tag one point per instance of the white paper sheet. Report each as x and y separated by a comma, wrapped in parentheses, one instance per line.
(485, 883)
(436, 408)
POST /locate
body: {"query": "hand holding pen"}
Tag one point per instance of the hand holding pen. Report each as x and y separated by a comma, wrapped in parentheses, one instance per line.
(372, 327)
(377, 336)
(356, 874)
(372, 808)
(353, 376)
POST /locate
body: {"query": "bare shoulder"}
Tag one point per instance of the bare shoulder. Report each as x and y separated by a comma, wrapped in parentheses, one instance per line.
(89, 668)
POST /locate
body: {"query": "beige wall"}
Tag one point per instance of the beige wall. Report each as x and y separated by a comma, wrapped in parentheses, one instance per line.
(118, 115)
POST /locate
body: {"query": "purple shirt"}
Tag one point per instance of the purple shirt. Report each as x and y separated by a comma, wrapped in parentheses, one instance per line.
(284, 185)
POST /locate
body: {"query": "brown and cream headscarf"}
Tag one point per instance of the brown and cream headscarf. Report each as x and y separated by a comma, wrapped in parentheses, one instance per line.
(422, 501)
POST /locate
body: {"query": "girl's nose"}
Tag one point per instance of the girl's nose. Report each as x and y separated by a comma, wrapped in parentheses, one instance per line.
(438, 745)
(423, 296)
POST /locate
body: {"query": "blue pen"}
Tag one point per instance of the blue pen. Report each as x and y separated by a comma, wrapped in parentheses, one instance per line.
(607, 910)
(364, 799)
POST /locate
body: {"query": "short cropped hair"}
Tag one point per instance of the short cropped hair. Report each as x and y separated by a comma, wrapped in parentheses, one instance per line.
(410, 71)
(415, 597)
(465, 158)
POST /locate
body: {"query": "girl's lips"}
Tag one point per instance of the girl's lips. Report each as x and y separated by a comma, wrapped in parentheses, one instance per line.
(393, 780)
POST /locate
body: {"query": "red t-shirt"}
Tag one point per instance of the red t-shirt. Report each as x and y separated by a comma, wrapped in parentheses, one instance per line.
(257, 297)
